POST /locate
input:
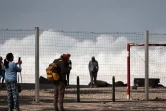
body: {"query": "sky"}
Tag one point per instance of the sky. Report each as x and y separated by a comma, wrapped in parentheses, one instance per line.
(84, 15)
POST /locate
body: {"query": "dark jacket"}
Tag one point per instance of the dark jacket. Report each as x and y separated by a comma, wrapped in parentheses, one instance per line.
(61, 69)
(93, 66)
(69, 64)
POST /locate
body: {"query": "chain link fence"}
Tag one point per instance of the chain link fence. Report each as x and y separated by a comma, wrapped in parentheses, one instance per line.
(109, 50)
(157, 70)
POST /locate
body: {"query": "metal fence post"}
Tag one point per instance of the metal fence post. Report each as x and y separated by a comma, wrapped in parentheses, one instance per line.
(78, 89)
(113, 89)
(37, 64)
(146, 65)
(128, 72)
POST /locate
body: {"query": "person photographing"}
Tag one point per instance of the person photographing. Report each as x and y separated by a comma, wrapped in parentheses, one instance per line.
(11, 70)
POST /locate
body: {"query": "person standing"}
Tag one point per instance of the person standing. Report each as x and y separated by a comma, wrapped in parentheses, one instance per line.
(59, 85)
(2, 72)
(93, 70)
(11, 69)
(69, 67)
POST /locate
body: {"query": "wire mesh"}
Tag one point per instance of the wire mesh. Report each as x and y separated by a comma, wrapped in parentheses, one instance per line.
(21, 44)
(157, 70)
(109, 50)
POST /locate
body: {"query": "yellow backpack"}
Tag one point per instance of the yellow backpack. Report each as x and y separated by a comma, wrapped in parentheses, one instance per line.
(52, 73)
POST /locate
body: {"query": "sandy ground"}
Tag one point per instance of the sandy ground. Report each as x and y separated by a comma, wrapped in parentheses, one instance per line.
(91, 99)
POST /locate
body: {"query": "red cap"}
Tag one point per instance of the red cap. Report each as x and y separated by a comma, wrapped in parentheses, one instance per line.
(69, 55)
(66, 56)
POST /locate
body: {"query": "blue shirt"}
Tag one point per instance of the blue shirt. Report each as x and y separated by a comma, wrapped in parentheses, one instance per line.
(11, 72)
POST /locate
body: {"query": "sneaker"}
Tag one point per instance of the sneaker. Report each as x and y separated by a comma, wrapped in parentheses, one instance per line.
(91, 87)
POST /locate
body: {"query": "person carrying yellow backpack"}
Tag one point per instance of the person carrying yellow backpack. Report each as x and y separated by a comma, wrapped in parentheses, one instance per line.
(59, 84)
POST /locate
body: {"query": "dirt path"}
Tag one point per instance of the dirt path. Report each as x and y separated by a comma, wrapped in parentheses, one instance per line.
(91, 100)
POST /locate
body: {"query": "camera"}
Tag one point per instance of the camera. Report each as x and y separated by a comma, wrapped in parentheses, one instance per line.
(19, 59)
